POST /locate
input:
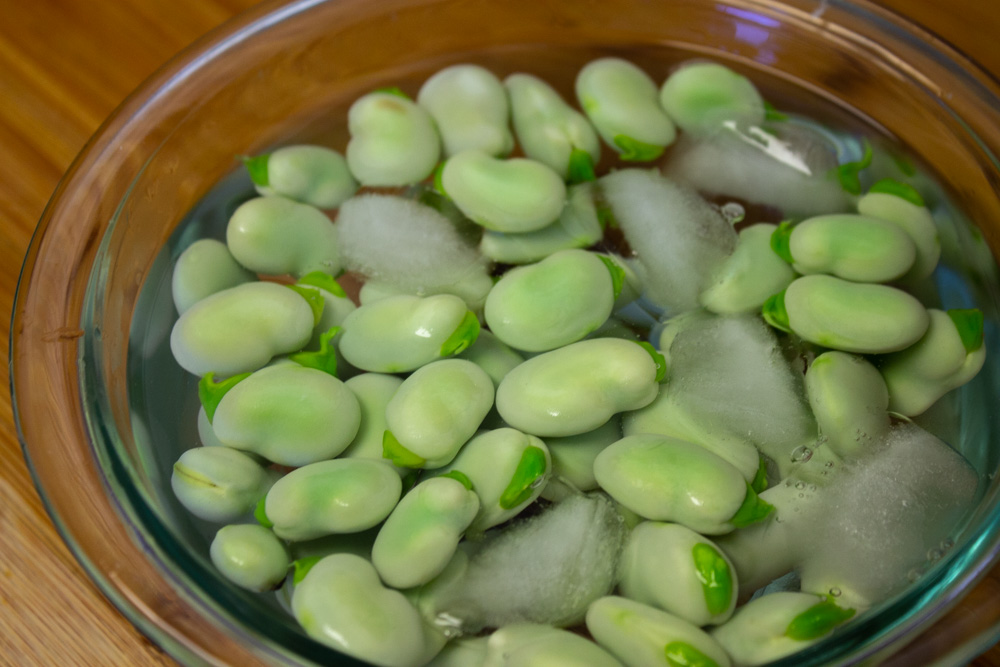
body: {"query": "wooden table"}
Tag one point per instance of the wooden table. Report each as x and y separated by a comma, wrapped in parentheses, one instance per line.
(64, 66)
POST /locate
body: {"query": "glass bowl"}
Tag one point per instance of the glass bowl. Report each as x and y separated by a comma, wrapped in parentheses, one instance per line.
(100, 429)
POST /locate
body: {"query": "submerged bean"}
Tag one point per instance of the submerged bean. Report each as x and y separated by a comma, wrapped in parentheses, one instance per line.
(700, 96)
(313, 175)
(330, 497)
(264, 318)
(278, 236)
(549, 130)
(461, 652)
(469, 107)
(250, 556)
(621, 101)
(915, 220)
(553, 303)
(516, 195)
(393, 141)
(573, 460)
(493, 356)
(577, 388)
(850, 401)
(373, 391)
(530, 645)
(853, 317)
(204, 268)
(219, 484)
(749, 276)
(434, 412)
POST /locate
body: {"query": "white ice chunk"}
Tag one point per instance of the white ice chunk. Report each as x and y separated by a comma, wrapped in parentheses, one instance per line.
(679, 238)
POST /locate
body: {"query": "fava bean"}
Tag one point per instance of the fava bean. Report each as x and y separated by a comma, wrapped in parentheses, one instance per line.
(313, 175)
(700, 96)
(204, 268)
(266, 319)
(250, 556)
(393, 141)
(531, 645)
(278, 236)
(553, 303)
(219, 484)
(462, 652)
(434, 412)
(573, 460)
(749, 276)
(515, 195)
(493, 356)
(329, 497)
(336, 304)
(915, 220)
(373, 391)
(621, 101)
(850, 401)
(577, 388)
(469, 107)
(853, 317)
(551, 131)
(206, 434)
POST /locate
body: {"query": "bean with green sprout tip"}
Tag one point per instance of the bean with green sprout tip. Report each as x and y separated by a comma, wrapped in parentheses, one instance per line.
(621, 101)
(289, 414)
(673, 568)
(641, 636)
(434, 412)
(250, 556)
(511, 196)
(749, 276)
(241, 329)
(531, 645)
(852, 247)
(700, 96)
(549, 130)
(508, 471)
(313, 175)
(419, 538)
(401, 333)
(573, 460)
(577, 227)
(850, 401)
(204, 268)
(393, 141)
(469, 107)
(277, 236)
(577, 388)
(373, 391)
(219, 484)
(915, 220)
(950, 354)
(665, 479)
(336, 304)
(776, 625)
(847, 316)
(331, 497)
(342, 603)
(555, 302)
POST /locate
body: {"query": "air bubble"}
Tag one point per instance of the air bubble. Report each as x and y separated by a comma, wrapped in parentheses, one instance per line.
(913, 575)
(835, 592)
(947, 544)
(934, 555)
(732, 212)
(800, 486)
(801, 454)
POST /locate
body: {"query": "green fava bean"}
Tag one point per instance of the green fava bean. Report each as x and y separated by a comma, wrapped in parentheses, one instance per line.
(313, 175)
(469, 107)
(515, 195)
(548, 129)
(850, 401)
(434, 412)
(393, 141)
(266, 319)
(278, 236)
(573, 460)
(851, 247)
(853, 317)
(664, 479)
(401, 333)
(250, 556)
(912, 219)
(493, 356)
(507, 469)
(776, 625)
(331, 497)
(342, 603)
(219, 484)
(553, 303)
(461, 652)
(671, 567)
(639, 634)
(419, 538)
(373, 391)
(204, 268)
(749, 276)
(577, 227)
(289, 414)
(944, 359)
(621, 101)
(531, 645)
(701, 96)
(206, 434)
(577, 388)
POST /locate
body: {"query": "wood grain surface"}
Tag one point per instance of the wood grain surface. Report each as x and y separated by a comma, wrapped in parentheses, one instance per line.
(64, 66)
